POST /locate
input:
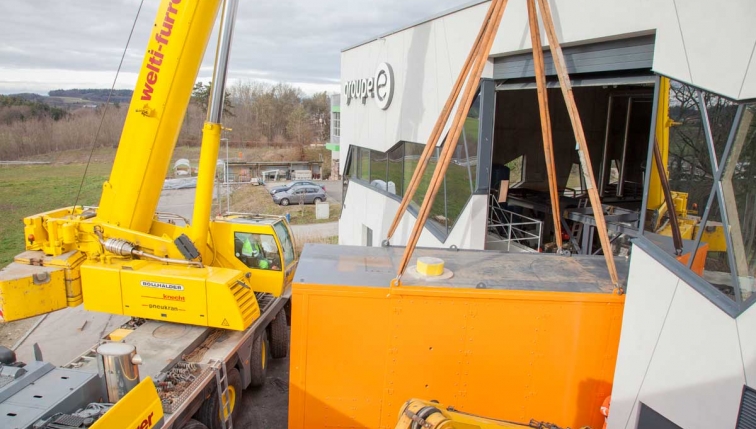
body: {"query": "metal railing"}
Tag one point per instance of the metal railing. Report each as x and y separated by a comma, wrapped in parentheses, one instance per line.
(512, 227)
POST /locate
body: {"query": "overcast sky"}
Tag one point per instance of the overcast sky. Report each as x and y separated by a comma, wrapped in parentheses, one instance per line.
(52, 44)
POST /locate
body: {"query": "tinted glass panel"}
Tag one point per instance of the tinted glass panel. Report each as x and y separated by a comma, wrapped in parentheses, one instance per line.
(692, 164)
(739, 192)
(378, 169)
(286, 243)
(462, 171)
(353, 161)
(689, 163)
(396, 170)
(364, 171)
(412, 152)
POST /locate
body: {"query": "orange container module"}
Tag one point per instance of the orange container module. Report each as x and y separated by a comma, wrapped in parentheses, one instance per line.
(510, 336)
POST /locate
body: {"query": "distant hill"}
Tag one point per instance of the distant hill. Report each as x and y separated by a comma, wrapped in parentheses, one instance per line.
(93, 94)
(14, 109)
(70, 99)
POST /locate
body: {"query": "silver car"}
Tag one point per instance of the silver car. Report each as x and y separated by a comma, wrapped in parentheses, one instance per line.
(307, 194)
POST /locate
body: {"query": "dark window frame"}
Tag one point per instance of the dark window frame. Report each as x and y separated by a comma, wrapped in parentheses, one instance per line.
(733, 307)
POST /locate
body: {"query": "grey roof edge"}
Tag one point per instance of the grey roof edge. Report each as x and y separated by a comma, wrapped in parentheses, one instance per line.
(463, 6)
(704, 288)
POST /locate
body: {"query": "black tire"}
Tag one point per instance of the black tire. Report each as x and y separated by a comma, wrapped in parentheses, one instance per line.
(317, 200)
(194, 424)
(284, 202)
(258, 361)
(279, 336)
(209, 412)
(287, 307)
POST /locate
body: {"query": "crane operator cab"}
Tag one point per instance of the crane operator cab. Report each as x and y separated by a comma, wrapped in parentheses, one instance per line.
(259, 245)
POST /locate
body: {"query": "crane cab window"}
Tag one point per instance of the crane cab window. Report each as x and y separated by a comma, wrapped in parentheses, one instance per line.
(258, 251)
(286, 243)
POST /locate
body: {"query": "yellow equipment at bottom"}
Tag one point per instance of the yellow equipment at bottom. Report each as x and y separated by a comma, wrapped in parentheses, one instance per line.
(417, 413)
(141, 409)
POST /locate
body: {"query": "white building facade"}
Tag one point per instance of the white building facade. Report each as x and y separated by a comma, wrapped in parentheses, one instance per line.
(687, 354)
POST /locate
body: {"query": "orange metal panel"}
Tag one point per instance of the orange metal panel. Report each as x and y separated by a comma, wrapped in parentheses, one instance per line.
(358, 353)
(339, 346)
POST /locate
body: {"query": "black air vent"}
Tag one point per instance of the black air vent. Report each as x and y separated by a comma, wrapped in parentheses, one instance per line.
(651, 419)
(747, 413)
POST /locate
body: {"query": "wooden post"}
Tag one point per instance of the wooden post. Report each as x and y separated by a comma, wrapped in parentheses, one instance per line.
(543, 107)
(453, 137)
(577, 127)
(438, 128)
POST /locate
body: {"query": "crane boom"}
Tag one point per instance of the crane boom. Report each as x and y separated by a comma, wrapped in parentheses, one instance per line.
(172, 59)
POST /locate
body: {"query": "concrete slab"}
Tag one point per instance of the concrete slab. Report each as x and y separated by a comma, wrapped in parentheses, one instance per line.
(62, 338)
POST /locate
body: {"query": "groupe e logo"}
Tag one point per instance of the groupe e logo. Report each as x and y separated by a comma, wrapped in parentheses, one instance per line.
(380, 87)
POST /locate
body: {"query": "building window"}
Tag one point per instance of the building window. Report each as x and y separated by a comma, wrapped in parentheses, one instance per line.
(379, 170)
(363, 168)
(462, 173)
(711, 168)
(392, 171)
(396, 169)
(739, 195)
(337, 124)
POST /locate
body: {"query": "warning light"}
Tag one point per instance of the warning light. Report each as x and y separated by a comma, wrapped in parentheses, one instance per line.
(31, 238)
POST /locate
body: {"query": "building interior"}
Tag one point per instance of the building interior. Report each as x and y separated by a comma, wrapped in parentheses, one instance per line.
(616, 119)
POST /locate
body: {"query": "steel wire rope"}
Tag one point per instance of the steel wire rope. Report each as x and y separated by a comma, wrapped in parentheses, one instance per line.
(105, 110)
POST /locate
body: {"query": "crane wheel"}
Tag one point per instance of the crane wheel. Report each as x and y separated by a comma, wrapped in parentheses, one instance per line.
(279, 336)
(210, 411)
(193, 424)
(258, 361)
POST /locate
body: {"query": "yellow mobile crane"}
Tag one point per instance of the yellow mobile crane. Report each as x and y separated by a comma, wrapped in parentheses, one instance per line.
(121, 257)
(213, 292)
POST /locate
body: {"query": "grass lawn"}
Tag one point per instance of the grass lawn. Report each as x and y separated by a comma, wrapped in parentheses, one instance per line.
(32, 189)
(256, 199)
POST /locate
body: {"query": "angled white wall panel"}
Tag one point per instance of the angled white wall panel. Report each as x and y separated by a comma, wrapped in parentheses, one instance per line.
(696, 374)
(650, 289)
(747, 332)
(669, 54)
(719, 39)
(748, 89)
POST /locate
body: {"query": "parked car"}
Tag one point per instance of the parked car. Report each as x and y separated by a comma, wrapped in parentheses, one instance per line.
(308, 193)
(290, 185)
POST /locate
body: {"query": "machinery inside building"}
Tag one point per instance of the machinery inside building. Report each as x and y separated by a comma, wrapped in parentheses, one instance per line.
(618, 142)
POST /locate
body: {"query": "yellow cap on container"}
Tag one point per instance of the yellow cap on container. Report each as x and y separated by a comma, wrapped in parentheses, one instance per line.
(430, 266)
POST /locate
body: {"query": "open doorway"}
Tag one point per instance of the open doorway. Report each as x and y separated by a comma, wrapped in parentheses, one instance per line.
(616, 118)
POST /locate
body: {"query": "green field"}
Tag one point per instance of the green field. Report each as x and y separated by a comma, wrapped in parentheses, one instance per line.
(27, 190)
(30, 189)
